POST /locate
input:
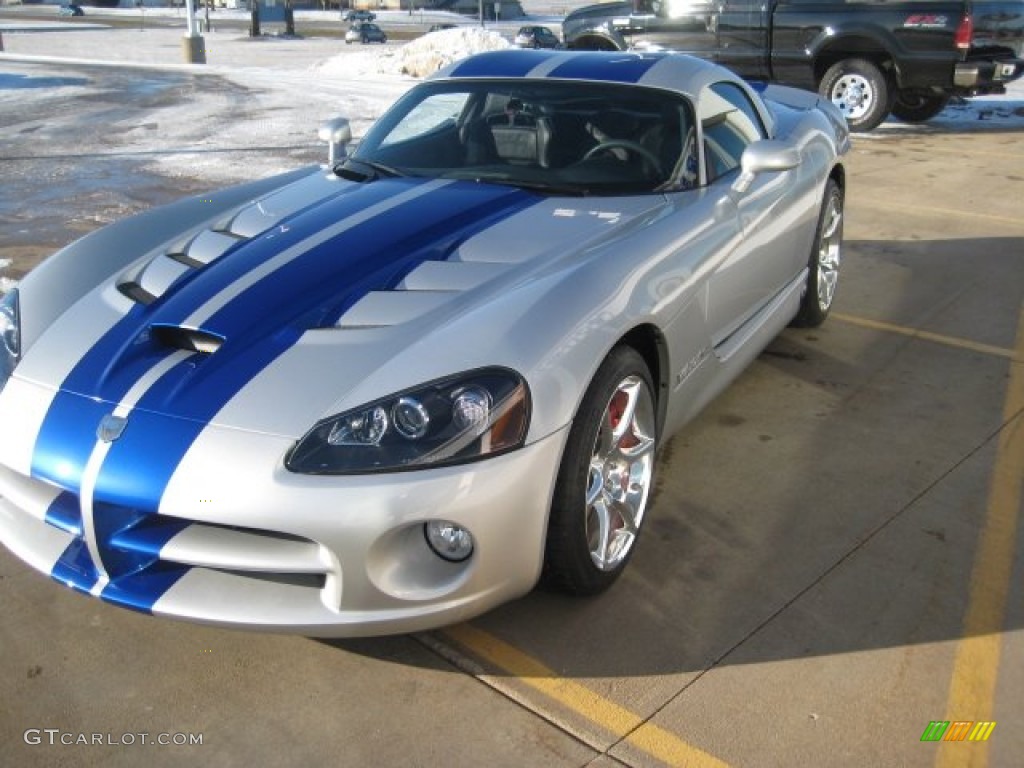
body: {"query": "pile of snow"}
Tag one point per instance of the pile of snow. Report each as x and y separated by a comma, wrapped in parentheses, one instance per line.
(437, 50)
(419, 58)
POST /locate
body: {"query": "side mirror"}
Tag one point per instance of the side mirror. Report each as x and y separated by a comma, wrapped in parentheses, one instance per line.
(337, 133)
(765, 155)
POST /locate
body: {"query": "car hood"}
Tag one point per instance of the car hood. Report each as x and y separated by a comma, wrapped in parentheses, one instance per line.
(254, 302)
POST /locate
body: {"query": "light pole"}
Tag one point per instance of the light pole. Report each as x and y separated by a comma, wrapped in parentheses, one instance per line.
(192, 45)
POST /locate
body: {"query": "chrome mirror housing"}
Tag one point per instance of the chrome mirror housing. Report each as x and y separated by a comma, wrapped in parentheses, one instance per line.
(337, 133)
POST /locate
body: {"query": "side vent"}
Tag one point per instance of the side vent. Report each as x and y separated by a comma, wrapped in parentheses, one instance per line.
(189, 339)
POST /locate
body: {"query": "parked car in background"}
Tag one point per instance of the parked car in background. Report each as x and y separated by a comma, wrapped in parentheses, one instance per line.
(870, 58)
(536, 37)
(367, 32)
(357, 16)
(70, 10)
(440, 27)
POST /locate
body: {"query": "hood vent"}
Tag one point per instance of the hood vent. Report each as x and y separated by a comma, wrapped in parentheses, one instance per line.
(189, 339)
(152, 280)
(136, 292)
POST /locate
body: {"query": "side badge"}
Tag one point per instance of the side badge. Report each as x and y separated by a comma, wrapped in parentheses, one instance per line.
(111, 427)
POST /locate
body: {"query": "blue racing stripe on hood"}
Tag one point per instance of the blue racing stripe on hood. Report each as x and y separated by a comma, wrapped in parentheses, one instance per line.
(258, 324)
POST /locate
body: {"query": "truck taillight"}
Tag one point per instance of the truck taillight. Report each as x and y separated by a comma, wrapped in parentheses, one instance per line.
(964, 33)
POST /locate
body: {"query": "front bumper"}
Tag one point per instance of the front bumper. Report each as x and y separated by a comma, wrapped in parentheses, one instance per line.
(987, 75)
(238, 541)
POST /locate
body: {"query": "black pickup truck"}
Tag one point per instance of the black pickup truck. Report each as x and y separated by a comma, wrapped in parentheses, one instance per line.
(870, 57)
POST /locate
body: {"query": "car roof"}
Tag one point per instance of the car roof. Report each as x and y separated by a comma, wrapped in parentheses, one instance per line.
(680, 73)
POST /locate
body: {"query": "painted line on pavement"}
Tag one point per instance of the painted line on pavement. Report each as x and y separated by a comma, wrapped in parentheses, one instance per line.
(975, 670)
(622, 723)
(938, 338)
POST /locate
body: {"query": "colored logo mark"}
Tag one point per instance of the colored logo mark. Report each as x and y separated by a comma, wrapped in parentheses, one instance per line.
(958, 730)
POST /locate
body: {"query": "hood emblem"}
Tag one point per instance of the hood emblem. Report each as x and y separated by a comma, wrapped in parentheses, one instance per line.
(111, 427)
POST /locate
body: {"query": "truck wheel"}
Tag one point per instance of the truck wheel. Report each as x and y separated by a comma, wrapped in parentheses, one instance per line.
(860, 90)
(915, 105)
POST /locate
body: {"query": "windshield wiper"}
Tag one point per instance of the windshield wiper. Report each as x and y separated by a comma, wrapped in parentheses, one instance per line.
(544, 187)
(346, 170)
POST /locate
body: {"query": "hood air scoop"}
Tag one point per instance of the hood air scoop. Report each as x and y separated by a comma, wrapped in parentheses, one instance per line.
(189, 339)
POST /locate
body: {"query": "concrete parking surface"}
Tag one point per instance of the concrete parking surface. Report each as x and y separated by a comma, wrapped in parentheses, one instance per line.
(833, 559)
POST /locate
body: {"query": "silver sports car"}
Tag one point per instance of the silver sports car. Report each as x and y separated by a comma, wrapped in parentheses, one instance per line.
(397, 390)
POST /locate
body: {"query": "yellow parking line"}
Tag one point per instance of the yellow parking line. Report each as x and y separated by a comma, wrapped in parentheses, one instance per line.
(621, 722)
(938, 338)
(973, 685)
(944, 212)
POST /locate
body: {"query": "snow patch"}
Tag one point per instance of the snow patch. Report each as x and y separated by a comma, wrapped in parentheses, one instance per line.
(419, 58)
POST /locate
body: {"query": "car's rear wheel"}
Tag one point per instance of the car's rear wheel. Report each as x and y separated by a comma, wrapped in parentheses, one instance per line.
(826, 255)
(605, 481)
(860, 90)
(917, 105)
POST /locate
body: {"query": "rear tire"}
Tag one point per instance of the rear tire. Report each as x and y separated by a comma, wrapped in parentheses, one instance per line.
(605, 480)
(824, 263)
(918, 105)
(860, 90)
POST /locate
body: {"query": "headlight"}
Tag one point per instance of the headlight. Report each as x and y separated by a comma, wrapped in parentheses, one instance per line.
(10, 335)
(450, 421)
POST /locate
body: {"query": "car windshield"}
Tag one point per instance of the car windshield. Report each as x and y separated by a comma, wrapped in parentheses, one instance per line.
(560, 137)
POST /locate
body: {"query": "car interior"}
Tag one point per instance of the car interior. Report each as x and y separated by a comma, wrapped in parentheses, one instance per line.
(601, 140)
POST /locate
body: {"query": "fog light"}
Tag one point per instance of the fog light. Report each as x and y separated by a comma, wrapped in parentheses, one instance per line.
(449, 541)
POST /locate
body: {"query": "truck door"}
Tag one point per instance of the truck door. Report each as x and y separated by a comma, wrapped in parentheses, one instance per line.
(676, 25)
(742, 37)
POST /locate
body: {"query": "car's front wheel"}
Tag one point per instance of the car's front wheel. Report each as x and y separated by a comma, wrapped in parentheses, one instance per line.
(605, 480)
(826, 255)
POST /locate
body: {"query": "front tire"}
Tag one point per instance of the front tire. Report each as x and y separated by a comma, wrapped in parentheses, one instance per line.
(860, 90)
(823, 266)
(605, 480)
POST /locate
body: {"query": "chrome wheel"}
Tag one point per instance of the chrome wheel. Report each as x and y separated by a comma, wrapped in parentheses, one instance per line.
(860, 89)
(621, 468)
(604, 479)
(829, 252)
(854, 94)
(823, 262)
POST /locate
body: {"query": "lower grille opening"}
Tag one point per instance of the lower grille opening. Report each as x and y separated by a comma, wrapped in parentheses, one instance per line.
(311, 580)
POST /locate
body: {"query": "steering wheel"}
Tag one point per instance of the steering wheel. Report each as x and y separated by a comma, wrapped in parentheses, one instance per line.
(629, 146)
